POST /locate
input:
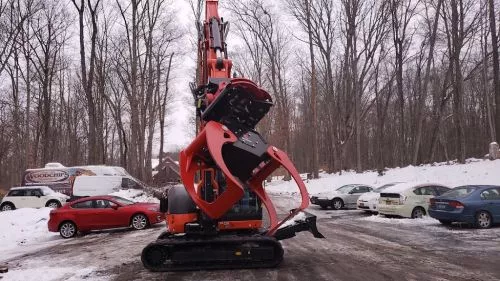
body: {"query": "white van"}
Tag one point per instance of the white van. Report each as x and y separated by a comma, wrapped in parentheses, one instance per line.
(61, 178)
(102, 185)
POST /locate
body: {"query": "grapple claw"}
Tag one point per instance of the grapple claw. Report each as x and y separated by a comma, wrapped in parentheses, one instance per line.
(306, 222)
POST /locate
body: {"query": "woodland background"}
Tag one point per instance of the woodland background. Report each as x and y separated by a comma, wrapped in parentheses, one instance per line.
(357, 84)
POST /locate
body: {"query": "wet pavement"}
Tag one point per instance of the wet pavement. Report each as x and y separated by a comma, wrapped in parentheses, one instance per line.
(357, 247)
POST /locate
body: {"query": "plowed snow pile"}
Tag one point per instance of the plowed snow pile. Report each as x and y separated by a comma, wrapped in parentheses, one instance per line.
(24, 229)
(475, 171)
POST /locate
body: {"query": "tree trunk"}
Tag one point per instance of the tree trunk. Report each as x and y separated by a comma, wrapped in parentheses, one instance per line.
(423, 94)
(496, 71)
(313, 120)
(458, 89)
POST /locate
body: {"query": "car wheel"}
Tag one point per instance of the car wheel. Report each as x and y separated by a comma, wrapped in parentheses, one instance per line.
(139, 221)
(67, 230)
(418, 213)
(53, 204)
(8, 207)
(445, 222)
(483, 220)
(337, 204)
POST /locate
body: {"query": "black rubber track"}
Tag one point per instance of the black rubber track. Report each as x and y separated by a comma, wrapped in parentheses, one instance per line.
(182, 253)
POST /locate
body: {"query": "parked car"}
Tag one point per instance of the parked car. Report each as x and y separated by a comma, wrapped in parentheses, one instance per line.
(32, 197)
(410, 200)
(369, 201)
(344, 196)
(475, 204)
(102, 212)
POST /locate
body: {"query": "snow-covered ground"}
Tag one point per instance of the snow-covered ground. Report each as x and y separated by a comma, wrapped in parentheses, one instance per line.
(24, 235)
(475, 171)
(24, 230)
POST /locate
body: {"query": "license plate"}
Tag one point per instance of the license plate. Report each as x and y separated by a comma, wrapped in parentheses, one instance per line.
(441, 206)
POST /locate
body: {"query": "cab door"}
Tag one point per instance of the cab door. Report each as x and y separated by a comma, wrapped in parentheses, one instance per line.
(491, 202)
(83, 213)
(17, 198)
(424, 195)
(38, 198)
(31, 198)
(495, 210)
(354, 194)
(107, 215)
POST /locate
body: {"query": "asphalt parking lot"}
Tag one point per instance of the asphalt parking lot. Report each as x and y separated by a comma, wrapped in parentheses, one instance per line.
(357, 247)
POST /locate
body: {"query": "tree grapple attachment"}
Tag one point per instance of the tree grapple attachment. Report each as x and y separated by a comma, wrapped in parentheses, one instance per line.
(215, 218)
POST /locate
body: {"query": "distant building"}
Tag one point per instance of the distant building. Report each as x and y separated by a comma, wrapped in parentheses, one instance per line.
(166, 172)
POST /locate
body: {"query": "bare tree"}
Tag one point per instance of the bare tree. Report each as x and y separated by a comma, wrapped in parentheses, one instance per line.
(87, 78)
(425, 84)
(496, 71)
(49, 30)
(13, 15)
(402, 12)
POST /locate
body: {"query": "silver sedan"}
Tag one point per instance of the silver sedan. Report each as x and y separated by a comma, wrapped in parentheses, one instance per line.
(343, 197)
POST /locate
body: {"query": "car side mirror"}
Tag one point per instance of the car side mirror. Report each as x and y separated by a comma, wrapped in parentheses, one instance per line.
(38, 196)
(114, 207)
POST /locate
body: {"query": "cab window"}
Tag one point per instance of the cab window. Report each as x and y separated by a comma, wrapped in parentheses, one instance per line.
(442, 189)
(17, 192)
(491, 194)
(33, 192)
(363, 189)
(36, 192)
(103, 204)
(130, 184)
(425, 190)
(83, 205)
(357, 189)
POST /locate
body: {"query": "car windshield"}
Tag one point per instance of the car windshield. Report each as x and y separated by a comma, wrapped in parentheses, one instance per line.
(460, 192)
(123, 201)
(344, 189)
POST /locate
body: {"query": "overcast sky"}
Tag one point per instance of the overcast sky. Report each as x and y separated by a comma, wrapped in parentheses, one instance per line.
(179, 132)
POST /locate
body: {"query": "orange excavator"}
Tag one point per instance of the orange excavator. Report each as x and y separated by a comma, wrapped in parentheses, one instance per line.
(215, 217)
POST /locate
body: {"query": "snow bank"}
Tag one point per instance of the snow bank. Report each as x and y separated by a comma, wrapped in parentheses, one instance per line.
(135, 195)
(426, 220)
(475, 171)
(22, 229)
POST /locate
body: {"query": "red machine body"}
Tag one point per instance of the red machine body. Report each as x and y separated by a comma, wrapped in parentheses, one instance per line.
(215, 218)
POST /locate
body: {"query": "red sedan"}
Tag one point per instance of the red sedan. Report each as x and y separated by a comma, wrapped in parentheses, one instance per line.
(102, 212)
